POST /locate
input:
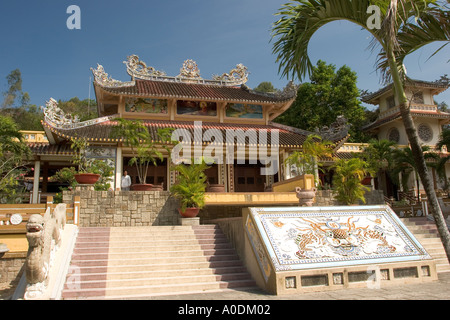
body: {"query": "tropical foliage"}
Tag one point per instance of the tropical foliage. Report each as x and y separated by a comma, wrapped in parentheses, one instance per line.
(347, 180)
(190, 187)
(405, 26)
(378, 154)
(329, 94)
(144, 147)
(13, 155)
(306, 161)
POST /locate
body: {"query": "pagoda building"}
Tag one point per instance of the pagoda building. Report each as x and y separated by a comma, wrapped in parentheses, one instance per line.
(428, 120)
(221, 114)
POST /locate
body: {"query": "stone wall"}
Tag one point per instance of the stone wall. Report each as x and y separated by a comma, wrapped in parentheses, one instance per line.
(11, 270)
(124, 208)
(158, 208)
(324, 198)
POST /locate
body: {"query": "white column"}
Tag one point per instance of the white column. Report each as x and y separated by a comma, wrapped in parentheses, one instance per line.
(37, 170)
(119, 168)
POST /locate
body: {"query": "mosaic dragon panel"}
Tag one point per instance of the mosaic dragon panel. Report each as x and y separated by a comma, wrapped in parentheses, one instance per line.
(308, 239)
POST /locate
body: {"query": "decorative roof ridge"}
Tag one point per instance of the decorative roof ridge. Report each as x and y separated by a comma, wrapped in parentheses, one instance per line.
(55, 117)
(103, 79)
(443, 82)
(291, 129)
(189, 73)
(287, 93)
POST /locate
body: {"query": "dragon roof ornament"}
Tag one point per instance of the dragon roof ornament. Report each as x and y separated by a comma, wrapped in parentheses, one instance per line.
(57, 118)
(189, 73)
(102, 78)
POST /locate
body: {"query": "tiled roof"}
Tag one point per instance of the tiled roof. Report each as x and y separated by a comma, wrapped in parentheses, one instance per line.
(162, 89)
(435, 114)
(44, 148)
(440, 86)
(101, 132)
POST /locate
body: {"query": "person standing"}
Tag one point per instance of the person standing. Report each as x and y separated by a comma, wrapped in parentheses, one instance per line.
(126, 181)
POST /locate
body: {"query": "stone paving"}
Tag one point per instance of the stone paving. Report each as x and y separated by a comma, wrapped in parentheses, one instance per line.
(437, 290)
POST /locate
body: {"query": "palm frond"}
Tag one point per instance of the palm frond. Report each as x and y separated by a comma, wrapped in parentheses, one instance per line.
(299, 22)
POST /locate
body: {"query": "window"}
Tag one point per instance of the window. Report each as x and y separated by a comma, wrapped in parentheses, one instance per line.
(425, 133)
(417, 98)
(394, 135)
(390, 102)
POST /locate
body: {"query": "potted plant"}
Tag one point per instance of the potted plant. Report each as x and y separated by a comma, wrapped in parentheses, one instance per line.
(137, 137)
(306, 161)
(348, 178)
(84, 175)
(190, 188)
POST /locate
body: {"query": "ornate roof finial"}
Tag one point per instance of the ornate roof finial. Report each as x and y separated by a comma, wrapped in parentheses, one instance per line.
(102, 78)
(190, 70)
(236, 76)
(139, 69)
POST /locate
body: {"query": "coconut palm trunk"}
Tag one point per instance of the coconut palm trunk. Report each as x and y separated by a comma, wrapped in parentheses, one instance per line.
(407, 25)
(419, 159)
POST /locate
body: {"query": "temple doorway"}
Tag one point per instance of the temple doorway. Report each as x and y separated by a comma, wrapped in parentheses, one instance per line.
(155, 174)
(248, 178)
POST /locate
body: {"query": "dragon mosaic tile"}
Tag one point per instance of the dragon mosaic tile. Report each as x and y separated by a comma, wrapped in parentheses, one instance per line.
(316, 237)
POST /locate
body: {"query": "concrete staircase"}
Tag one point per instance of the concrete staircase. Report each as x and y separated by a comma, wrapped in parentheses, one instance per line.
(137, 262)
(426, 232)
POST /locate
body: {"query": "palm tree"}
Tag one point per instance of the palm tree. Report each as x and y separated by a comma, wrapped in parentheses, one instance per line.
(306, 161)
(347, 180)
(444, 140)
(441, 161)
(403, 162)
(407, 25)
(379, 154)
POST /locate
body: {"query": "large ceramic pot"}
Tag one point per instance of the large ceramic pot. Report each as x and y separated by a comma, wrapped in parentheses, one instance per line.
(3, 249)
(189, 213)
(216, 188)
(158, 187)
(142, 187)
(305, 197)
(87, 178)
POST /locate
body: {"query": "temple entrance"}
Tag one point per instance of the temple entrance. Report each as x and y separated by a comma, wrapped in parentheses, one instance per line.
(213, 174)
(248, 178)
(155, 174)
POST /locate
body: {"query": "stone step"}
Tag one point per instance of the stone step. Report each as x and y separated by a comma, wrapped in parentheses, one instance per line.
(151, 254)
(157, 242)
(427, 234)
(156, 267)
(162, 246)
(152, 260)
(152, 290)
(146, 261)
(105, 281)
(136, 273)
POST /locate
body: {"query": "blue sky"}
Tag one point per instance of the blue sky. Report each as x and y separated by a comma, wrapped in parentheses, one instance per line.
(55, 61)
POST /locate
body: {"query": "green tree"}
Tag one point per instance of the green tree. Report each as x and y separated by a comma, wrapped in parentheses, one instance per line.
(306, 161)
(85, 109)
(378, 154)
(266, 87)
(13, 155)
(347, 180)
(403, 162)
(190, 187)
(14, 80)
(135, 135)
(27, 117)
(329, 94)
(405, 27)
